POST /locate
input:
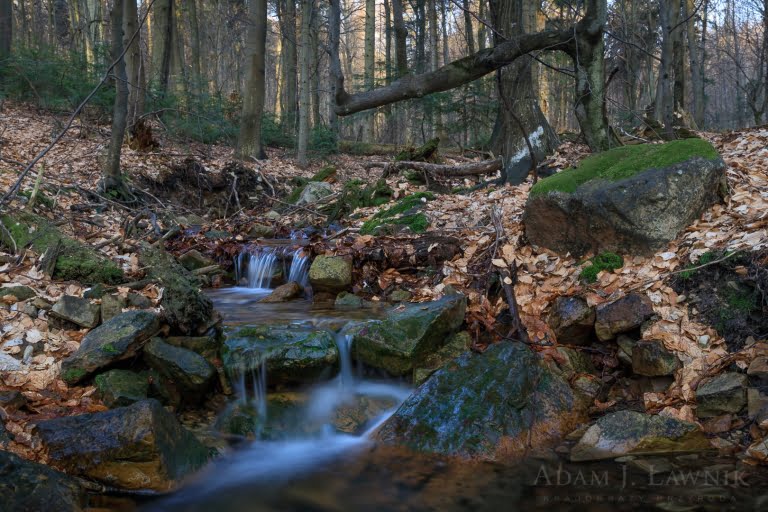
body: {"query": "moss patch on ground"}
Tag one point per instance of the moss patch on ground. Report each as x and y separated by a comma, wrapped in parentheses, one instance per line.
(624, 162)
(402, 213)
(604, 261)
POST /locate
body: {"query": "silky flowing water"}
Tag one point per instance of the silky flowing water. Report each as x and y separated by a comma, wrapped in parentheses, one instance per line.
(326, 470)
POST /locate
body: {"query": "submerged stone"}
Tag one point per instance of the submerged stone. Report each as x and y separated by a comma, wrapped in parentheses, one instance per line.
(489, 406)
(408, 335)
(633, 433)
(142, 446)
(284, 293)
(291, 354)
(115, 340)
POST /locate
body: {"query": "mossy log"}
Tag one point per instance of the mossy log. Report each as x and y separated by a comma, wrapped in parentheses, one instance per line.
(63, 257)
(425, 153)
(441, 171)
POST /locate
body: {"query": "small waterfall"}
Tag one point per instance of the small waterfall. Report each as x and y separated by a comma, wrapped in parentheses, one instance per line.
(261, 268)
(257, 266)
(344, 343)
(299, 271)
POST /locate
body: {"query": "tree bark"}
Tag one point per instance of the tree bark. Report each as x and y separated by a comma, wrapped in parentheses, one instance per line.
(112, 176)
(469, 35)
(194, 44)
(6, 29)
(288, 66)
(336, 74)
(162, 44)
(133, 64)
(304, 93)
(520, 121)
(249, 144)
(369, 64)
(401, 36)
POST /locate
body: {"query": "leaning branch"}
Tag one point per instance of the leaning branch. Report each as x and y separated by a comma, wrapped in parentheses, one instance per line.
(440, 171)
(455, 74)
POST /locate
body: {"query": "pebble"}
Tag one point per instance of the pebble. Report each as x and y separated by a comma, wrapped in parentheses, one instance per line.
(704, 340)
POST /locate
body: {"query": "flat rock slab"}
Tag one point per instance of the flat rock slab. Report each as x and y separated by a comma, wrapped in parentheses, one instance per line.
(142, 446)
(115, 340)
(633, 433)
(78, 311)
(723, 394)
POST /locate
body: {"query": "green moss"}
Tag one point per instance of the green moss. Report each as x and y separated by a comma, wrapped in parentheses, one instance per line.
(324, 173)
(109, 348)
(73, 374)
(405, 204)
(707, 257)
(604, 261)
(401, 214)
(624, 162)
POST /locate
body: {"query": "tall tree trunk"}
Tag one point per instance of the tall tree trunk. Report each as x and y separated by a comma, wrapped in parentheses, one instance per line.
(369, 65)
(589, 62)
(481, 29)
(434, 46)
(401, 36)
(62, 23)
(665, 94)
(695, 63)
(470, 37)
(336, 74)
(112, 179)
(6, 31)
(162, 44)
(288, 66)
(133, 64)
(315, 70)
(194, 44)
(304, 93)
(520, 121)
(249, 144)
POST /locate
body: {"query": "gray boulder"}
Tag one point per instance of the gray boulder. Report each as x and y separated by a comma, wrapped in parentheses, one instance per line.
(115, 340)
(652, 359)
(633, 433)
(119, 388)
(408, 335)
(314, 192)
(622, 315)
(20, 292)
(571, 320)
(626, 200)
(27, 486)
(189, 372)
(142, 446)
(723, 394)
(330, 274)
(486, 406)
(77, 310)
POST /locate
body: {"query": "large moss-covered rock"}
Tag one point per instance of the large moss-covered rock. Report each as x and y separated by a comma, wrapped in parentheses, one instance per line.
(456, 345)
(492, 406)
(632, 199)
(75, 261)
(27, 486)
(291, 354)
(330, 274)
(190, 372)
(119, 388)
(408, 335)
(115, 340)
(633, 433)
(185, 308)
(142, 446)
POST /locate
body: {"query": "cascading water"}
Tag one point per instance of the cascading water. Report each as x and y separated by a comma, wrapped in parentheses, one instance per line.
(258, 266)
(299, 271)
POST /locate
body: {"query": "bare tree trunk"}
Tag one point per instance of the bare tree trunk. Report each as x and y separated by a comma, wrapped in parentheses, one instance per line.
(249, 144)
(304, 93)
(133, 64)
(112, 179)
(520, 121)
(288, 65)
(369, 65)
(194, 44)
(481, 29)
(401, 36)
(336, 74)
(469, 35)
(62, 23)
(697, 82)
(315, 70)
(162, 44)
(6, 30)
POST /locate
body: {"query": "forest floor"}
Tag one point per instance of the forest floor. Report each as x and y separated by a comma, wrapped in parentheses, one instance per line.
(72, 168)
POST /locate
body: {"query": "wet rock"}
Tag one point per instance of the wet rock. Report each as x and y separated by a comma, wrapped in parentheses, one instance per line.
(115, 340)
(137, 300)
(12, 400)
(111, 306)
(456, 345)
(622, 315)
(586, 387)
(571, 320)
(758, 368)
(346, 300)
(261, 231)
(27, 486)
(119, 388)
(206, 346)
(635, 215)
(185, 308)
(314, 191)
(141, 446)
(408, 335)
(291, 354)
(652, 359)
(354, 416)
(332, 274)
(190, 372)
(217, 235)
(41, 303)
(400, 296)
(95, 292)
(633, 433)
(574, 361)
(757, 405)
(488, 406)
(20, 292)
(193, 260)
(5, 436)
(725, 393)
(78, 311)
(284, 293)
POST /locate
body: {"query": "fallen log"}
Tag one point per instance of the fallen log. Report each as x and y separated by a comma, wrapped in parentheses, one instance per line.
(439, 170)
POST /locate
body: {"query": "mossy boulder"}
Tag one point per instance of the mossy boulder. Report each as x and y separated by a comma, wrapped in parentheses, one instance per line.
(27, 486)
(119, 388)
(491, 406)
(409, 335)
(630, 200)
(20, 292)
(456, 345)
(117, 339)
(185, 308)
(74, 261)
(206, 346)
(633, 433)
(138, 447)
(193, 260)
(405, 213)
(292, 355)
(330, 274)
(192, 375)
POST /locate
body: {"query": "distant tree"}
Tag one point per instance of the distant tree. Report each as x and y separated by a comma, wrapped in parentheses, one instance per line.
(249, 142)
(112, 178)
